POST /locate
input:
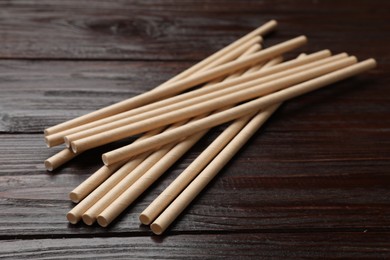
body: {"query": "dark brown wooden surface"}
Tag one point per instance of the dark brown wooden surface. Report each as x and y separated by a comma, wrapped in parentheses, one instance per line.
(313, 182)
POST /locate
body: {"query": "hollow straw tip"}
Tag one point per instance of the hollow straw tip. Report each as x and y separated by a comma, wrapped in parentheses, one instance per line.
(102, 221)
(48, 165)
(67, 142)
(72, 218)
(87, 219)
(105, 160)
(74, 197)
(145, 219)
(156, 228)
(73, 146)
(47, 142)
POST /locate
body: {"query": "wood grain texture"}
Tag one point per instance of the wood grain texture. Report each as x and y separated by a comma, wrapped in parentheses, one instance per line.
(314, 182)
(38, 94)
(212, 246)
(268, 186)
(179, 30)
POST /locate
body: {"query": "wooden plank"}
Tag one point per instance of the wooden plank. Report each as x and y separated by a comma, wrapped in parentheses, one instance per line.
(179, 30)
(218, 246)
(280, 181)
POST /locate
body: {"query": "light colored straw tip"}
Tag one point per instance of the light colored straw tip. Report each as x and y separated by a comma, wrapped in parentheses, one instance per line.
(156, 228)
(74, 197)
(46, 132)
(144, 219)
(49, 166)
(102, 221)
(87, 219)
(47, 142)
(72, 218)
(73, 147)
(258, 39)
(353, 58)
(273, 23)
(67, 142)
(373, 62)
(105, 159)
(303, 38)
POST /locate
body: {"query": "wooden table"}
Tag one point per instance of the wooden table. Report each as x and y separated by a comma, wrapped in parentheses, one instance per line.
(314, 182)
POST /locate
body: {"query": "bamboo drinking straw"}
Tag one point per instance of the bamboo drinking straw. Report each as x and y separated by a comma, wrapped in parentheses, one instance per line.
(93, 181)
(183, 200)
(135, 190)
(173, 190)
(196, 100)
(87, 186)
(57, 138)
(91, 214)
(75, 214)
(204, 107)
(124, 105)
(198, 184)
(157, 170)
(143, 116)
(59, 159)
(236, 112)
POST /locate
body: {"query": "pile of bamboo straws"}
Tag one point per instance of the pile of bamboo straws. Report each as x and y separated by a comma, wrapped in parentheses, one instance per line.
(241, 83)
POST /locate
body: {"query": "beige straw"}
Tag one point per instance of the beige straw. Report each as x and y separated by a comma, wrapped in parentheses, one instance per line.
(132, 103)
(59, 159)
(203, 107)
(91, 214)
(93, 181)
(236, 112)
(75, 214)
(187, 83)
(197, 100)
(198, 184)
(57, 138)
(136, 189)
(166, 160)
(174, 189)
